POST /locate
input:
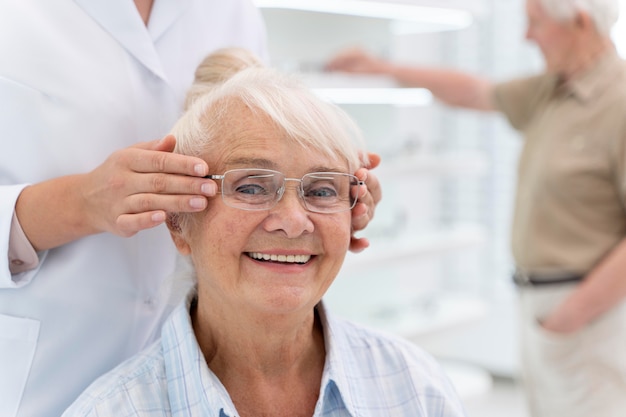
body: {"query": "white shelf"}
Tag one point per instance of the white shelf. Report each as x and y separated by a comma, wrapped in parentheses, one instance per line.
(321, 79)
(426, 15)
(442, 313)
(436, 314)
(301, 32)
(341, 88)
(384, 251)
(450, 163)
(391, 96)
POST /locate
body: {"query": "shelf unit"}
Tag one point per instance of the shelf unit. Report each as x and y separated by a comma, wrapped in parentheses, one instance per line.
(404, 247)
(395, 285)
(302, 36)
(358, 89)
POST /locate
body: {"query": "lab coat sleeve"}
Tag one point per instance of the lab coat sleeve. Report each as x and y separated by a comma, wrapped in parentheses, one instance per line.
(8, 197)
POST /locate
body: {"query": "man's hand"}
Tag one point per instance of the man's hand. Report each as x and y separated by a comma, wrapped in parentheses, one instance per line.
(358, 61)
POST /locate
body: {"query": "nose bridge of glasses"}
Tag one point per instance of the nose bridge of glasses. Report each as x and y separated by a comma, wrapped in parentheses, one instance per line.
(297, 187)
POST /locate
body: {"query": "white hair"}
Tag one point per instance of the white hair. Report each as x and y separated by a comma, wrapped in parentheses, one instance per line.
(305, 118)
(604, 13)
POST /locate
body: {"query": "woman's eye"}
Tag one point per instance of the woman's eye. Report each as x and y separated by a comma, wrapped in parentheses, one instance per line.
(252, 189)
(321, 192)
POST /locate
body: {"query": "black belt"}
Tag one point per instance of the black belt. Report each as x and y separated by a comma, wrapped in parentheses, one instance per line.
(525, 279)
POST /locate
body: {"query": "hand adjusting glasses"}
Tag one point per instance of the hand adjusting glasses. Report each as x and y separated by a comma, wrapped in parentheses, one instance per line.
(262, 189)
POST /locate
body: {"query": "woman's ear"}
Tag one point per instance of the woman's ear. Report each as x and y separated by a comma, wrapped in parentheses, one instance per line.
(176, 232)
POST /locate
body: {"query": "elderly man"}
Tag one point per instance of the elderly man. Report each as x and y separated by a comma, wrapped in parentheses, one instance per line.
(569, 223)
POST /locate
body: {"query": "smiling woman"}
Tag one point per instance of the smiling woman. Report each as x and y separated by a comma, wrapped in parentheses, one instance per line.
(253, 337)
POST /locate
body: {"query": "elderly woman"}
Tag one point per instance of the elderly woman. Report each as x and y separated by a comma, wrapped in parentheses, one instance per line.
(253, 337)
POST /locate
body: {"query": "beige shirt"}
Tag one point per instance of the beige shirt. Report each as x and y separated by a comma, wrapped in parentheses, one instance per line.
(569, 210)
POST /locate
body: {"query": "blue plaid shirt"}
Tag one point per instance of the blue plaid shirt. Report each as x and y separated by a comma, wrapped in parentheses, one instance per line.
(367, 373)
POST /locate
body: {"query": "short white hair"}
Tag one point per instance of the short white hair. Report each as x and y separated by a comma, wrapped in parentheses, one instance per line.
(604, 13)
(305, 118)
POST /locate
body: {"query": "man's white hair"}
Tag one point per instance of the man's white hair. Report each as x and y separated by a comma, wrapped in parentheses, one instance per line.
(604, 13)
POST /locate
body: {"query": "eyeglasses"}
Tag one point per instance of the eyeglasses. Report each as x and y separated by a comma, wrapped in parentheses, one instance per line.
(262, 189)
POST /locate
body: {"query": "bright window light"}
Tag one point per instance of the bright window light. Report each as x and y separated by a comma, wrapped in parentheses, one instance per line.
(453, 18)
(619, 30)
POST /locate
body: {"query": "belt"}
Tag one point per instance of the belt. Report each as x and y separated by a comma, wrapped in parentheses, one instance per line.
(526, 279)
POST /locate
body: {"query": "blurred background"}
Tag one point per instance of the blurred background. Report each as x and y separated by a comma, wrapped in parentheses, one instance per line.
(439, 268)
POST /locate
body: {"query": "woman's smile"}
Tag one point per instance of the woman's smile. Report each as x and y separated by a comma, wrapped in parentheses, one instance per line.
(289, 259)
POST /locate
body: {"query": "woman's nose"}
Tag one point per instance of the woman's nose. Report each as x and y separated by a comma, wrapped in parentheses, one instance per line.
(290, 214)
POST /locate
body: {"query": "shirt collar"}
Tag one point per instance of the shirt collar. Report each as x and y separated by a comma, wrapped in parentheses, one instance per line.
(335, 384)
(595, 80)
(186, 369)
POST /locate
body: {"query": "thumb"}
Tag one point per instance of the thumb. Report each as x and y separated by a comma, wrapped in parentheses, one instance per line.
(166, 144)
(374, 160)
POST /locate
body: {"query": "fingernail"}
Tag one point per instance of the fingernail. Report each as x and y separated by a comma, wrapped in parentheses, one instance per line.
(209, 188)
(197, 202)
(158, 216)
(200, 170)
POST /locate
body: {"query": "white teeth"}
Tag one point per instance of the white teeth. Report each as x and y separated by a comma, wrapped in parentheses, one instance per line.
(292, 259)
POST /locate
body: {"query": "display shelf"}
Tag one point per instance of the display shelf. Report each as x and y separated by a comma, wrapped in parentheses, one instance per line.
(428, 315)
(433, 314)
(449, 163)
(301, 32)
(314, 75)
(424, 14)
(363, 89)
(386, 250)
(399, 284)
(391, 96)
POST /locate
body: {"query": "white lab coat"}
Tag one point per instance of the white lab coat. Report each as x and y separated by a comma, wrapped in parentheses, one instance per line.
(78, 80)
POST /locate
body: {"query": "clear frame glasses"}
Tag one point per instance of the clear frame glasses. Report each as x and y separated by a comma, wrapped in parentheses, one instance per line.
(262, 189)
